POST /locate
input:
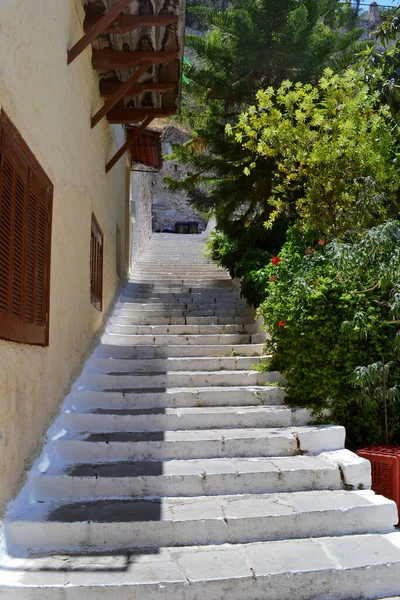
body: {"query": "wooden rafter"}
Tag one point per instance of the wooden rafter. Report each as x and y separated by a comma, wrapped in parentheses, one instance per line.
(127, 23)
(131, 138)
(120, 93)
(134, 115)
(109, 87)
(118, 60)
(97, 29)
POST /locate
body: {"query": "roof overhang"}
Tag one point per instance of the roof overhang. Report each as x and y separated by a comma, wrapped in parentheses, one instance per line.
(138, 48)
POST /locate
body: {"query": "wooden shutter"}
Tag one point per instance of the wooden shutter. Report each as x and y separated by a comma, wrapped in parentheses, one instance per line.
(25, 236)
(96, 265)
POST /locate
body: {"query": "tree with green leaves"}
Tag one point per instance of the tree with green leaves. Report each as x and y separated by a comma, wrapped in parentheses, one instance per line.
(252, 45)
(334, 155)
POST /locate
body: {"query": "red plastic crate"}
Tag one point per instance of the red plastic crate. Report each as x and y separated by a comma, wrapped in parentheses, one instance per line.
(385, 470)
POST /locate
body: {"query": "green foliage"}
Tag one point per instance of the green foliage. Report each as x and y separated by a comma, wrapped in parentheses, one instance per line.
(245, 257)
(331, 335)
(252, 45)
(333, 151)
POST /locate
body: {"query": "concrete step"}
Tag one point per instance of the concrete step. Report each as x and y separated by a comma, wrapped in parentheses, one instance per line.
(200, 301)
(165, 281)
(187, 478)
(83, 399)
(186, 330)
(190, 340)
(125, 524)
(190, 444)
(230, 305)
(334, 568)
(205, 350)
(173, 419)
(182, 319)
(199, 363)
(139, 310)
(130, 381)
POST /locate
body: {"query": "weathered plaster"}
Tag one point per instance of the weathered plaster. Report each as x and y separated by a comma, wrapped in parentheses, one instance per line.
(51, 105)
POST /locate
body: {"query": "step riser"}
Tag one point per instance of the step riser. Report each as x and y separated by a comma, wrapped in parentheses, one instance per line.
(140, 311)
(178, 379)
(229, 363)
(192, 340)
(102, 423)
(180, 329)
(180, 320)
(185, 398)
(177, 301)
(150, 352)
(350, 583)
(76, 488)
(87, 452)
(60, 537)
(167, 281)
(225, 444)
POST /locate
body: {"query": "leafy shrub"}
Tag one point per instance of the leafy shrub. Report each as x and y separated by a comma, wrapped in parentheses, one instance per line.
(332, 310)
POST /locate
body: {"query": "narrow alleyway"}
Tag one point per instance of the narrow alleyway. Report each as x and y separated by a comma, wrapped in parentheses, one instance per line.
(176, 472)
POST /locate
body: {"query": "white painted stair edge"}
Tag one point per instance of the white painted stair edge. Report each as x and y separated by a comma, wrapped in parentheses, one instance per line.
(332, 568)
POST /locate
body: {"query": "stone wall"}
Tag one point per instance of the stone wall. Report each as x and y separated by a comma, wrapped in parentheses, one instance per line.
(170, 207)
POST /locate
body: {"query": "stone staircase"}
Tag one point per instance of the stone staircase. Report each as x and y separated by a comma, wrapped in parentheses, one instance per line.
(175, 471)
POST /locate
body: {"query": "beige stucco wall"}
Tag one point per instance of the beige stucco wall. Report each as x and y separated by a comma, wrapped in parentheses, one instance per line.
(51, 105)
(141, 218)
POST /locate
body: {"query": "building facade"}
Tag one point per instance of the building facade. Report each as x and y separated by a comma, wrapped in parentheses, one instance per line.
(70, 230)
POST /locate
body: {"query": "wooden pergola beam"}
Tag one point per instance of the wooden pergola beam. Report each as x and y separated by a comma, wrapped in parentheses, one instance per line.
(98, 28)
(109, 87)
(120, 93)
(127, 23)
(125, 116)
(119, 60)
(131, 139)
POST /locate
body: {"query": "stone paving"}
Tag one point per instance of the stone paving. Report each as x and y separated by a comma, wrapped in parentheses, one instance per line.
(176, 471)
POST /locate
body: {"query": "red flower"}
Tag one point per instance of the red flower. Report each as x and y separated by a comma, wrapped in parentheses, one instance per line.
(273, 278)
(322, 242)
(275, 260)
(282, 324)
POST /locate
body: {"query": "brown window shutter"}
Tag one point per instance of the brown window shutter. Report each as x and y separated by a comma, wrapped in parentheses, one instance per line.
(96, 265)
(25, 221)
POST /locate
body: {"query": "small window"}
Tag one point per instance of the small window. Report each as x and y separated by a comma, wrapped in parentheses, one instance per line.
(25, 237)
(96, 265)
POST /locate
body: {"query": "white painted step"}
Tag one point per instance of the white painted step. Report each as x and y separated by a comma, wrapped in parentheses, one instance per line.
(199, 363)
(334, 568)
(83, 399)
(176, 351)
(190, 444)
(172, 419)
(189, 478)
(181, 319)
(128, 381)
(103, 525)
(192, 340)
(191, 379)
(180, 329)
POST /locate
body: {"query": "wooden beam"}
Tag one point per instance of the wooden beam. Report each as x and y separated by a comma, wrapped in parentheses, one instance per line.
(109, 60)
(108, 87)
(120, 93)
(129, 141)
(127, 23)
(98, 28)
(134, 115)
